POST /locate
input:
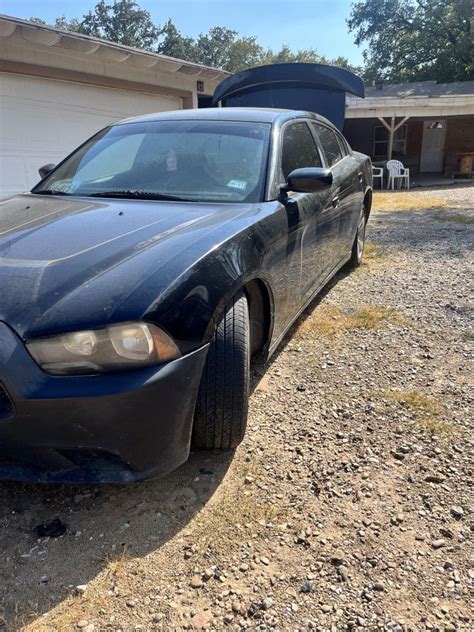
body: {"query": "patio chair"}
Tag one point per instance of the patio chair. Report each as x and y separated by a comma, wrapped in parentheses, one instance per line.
(396, 171)
(377, 172)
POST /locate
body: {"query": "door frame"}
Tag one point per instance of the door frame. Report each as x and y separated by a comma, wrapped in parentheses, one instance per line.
(424, 149)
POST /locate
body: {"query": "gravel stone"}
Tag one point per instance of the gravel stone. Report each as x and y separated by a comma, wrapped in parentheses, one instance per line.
(355, 464)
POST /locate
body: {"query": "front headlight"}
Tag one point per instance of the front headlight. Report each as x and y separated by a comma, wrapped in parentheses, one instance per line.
(115, 348)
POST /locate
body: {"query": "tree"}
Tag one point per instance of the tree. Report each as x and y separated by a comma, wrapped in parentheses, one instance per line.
(61, 22)
(125, 22)
(174, 44)
(122, 22)
(244, 52)
(37, 21)
(286, 55)
(305, 55)
(222, 48)
(411, 40)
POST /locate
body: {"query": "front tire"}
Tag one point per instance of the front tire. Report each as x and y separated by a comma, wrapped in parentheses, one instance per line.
(359, 242)
(220, 418)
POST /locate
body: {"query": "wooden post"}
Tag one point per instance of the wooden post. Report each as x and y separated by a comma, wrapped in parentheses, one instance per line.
(392, 128)
(390, 138)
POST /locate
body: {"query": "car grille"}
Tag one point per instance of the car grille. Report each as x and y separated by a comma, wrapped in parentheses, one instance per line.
(6, 406)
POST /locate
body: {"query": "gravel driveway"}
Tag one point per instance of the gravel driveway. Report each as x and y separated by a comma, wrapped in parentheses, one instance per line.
(348, 506)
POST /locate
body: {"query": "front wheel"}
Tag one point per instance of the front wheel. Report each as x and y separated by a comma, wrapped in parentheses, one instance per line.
(220, 418)
(359, 242)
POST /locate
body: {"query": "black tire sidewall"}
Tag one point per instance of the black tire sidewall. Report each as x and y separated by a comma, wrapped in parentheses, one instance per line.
(221, 410)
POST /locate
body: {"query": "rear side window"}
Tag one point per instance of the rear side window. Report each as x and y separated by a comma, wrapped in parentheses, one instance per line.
(329, 143)
(299, 149)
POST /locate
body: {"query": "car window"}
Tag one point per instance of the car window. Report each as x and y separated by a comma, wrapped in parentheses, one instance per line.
(329, 143)
(117, 157)
(346, 150)
(299, 149)
(221, 161)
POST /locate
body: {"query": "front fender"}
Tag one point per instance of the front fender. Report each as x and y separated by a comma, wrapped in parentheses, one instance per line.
(191, 307)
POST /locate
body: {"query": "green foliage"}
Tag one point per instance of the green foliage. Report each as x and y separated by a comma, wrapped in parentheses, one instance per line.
(122, 22)
(305, 55)
(174, 44)
(415, 40)
(125, 22)
(64, 24)
(37, 21)
(61, 22)
(222, 48)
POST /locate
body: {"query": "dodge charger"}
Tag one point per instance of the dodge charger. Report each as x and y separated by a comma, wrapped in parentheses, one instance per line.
(145, 273)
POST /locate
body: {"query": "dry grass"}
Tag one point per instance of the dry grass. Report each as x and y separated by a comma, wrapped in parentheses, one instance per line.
(245, 507)
(374, 251)
(456, 218)
(328, 321)
(425, 409)
(375, 258)
(117, 567)
(76, 607)
(243, 504)
(406, 201)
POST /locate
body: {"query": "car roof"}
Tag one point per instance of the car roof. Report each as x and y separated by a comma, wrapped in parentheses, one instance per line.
(250, 115)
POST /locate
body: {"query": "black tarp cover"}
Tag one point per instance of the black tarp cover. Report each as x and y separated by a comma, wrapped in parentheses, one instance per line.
(313, 87)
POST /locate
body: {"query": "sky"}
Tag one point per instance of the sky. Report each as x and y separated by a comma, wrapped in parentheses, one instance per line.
(319, 24)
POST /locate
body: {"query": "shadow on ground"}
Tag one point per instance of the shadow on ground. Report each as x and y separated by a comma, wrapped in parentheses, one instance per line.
(104, 522)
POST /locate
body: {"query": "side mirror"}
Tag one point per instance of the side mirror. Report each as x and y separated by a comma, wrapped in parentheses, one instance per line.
(46, 170)
(308, 180)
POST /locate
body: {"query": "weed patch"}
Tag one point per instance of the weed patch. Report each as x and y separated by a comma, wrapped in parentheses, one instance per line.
(455, 218)
(406, 201)
(426, 410)
(375, 258)
(330, 320)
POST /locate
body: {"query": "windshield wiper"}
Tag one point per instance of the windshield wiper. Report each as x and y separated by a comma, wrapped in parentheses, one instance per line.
(50, 192)
(138, 195)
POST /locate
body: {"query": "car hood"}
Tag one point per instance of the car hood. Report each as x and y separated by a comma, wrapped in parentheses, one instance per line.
(73, 262)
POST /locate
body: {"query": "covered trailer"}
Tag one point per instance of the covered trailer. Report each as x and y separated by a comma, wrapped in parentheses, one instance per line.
(313, 87)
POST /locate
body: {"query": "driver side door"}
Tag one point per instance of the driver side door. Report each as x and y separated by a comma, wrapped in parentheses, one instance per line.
(314, 212)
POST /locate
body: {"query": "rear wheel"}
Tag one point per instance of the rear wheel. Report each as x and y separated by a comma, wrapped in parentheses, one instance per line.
(220, 418)
(359, 242)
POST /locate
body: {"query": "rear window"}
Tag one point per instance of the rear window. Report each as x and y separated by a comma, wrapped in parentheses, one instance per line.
(299, 149)
(329, 143)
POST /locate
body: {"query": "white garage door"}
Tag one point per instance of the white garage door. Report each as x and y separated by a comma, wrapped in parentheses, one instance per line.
(43, 120)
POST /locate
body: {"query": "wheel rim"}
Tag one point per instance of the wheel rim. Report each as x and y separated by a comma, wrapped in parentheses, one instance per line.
(360, 237)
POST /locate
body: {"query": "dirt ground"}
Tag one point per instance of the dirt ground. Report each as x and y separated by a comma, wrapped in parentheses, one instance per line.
(347, 507)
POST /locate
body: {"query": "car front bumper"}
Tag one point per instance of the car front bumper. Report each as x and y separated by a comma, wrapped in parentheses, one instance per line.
(95, 428)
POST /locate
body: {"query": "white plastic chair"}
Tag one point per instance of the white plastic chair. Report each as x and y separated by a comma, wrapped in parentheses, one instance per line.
(396, 171)
(377, 172)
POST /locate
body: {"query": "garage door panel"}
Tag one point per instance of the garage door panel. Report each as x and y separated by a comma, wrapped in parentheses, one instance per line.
(43, 120)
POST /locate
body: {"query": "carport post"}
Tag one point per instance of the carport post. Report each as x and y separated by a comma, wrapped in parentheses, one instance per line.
(392, 128)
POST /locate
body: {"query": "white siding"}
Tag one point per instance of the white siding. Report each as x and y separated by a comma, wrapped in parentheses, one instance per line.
(43, 120)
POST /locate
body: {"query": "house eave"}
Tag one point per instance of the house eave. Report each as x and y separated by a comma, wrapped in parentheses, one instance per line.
(415, 106)
(46, 36)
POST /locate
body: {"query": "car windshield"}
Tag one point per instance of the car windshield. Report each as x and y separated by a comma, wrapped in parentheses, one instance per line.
(216, 161)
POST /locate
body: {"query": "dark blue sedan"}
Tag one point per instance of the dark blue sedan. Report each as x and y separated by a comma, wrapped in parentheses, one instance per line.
(141, 277)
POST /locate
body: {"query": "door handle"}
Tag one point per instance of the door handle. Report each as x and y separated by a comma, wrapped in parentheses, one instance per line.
(360, 176)
(335, 201)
